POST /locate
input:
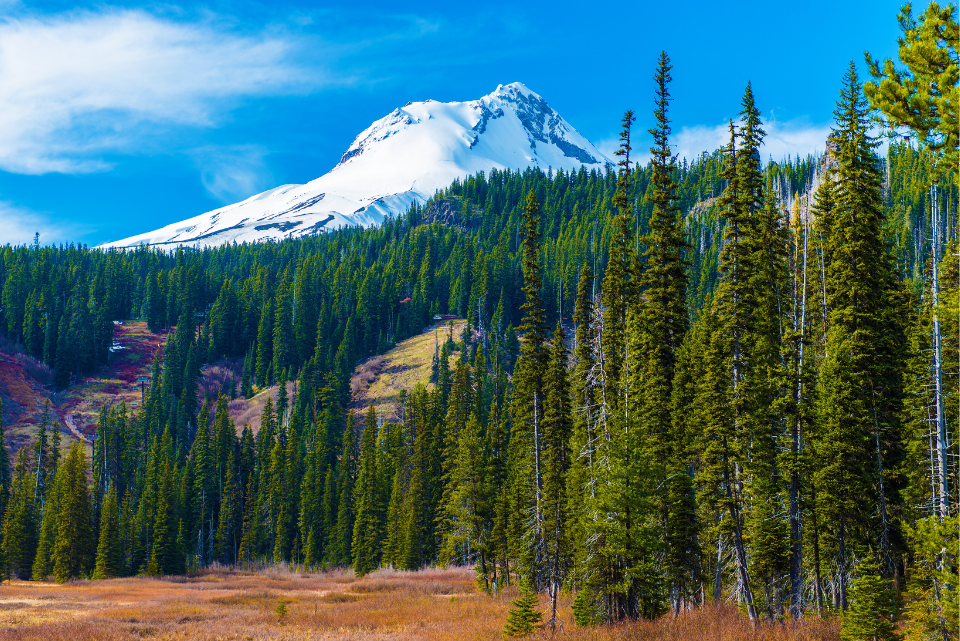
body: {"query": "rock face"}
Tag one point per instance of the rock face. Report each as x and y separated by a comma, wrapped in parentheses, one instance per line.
(452, 212)
(399, 160)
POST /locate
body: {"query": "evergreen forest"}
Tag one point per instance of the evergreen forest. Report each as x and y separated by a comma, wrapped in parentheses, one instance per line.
(700, 379)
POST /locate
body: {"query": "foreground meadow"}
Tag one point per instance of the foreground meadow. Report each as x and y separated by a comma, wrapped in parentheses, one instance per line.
(230, 604)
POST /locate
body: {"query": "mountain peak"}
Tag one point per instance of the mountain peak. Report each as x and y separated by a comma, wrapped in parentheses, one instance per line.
(514, 89)
(400, 159)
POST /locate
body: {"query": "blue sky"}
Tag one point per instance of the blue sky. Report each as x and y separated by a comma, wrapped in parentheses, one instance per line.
(120, 118)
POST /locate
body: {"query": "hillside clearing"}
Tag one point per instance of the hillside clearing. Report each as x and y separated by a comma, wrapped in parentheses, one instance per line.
(24, 388)
(378, 380)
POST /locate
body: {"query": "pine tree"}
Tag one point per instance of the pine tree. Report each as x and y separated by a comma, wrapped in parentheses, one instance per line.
(368, 521)
(523, 618)
(557, 429)
(109, 563)
(74, 547)
(725, 393)
(924, 96)
(20, 520)
(528, 395)
(859, 386)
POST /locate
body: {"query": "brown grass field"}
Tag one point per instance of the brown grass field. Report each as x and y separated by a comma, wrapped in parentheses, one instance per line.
(222, 604)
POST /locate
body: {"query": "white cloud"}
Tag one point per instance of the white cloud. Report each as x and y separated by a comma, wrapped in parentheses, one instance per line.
(233, 173)
(608, 147)
(794, 138)
(18, 225)
(76, 86)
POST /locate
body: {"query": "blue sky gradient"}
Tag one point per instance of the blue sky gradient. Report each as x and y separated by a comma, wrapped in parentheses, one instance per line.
(120, 118)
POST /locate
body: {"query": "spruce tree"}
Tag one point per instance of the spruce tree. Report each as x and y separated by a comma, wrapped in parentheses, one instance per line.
(366, 528)
(74, 547)
(523, 618)
(725, 394)
(20, 519)
(528, 397)
(109, 562)
(860, 381)
(557, 429)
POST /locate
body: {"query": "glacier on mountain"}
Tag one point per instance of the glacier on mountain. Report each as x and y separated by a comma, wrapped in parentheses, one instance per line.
(399, 160)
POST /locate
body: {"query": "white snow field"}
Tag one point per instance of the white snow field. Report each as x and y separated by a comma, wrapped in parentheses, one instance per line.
(404, 157)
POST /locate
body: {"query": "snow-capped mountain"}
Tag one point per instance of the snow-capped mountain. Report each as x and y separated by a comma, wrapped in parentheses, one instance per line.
(404, 157)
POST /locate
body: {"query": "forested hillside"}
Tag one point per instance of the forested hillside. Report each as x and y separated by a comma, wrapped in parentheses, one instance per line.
(706, 379)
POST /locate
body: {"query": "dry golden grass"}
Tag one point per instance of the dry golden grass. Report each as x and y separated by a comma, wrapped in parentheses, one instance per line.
(248, 411)
(224, 604)
(378, 380)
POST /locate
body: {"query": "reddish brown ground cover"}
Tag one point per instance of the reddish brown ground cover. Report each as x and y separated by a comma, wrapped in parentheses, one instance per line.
(24, 388)
(430, 604)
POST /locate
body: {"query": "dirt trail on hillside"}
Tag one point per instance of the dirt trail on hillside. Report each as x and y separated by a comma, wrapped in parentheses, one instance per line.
(73, 429)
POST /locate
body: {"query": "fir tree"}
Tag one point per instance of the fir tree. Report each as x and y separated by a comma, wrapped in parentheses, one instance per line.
(466, 508)
(342, 553)
(246, 379)
(73, 550)
(367, 524)
(557, 428)
(859, 385)
(528, 394)
(109, 562)
(724, 394)
(20, 519)
(523, 618)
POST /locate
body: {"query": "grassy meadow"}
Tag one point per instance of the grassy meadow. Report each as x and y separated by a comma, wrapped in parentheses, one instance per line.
(220, 604)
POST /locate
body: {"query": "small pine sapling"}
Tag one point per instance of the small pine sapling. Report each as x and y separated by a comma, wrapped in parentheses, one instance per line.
(281, 611)
(524, 617)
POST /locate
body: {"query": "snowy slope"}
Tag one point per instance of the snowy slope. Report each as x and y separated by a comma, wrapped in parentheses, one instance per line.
(404, 157)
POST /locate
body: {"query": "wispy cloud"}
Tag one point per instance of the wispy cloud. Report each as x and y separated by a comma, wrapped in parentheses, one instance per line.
(794, 138)
(18, 225)
(76, 86)
(233, 173)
